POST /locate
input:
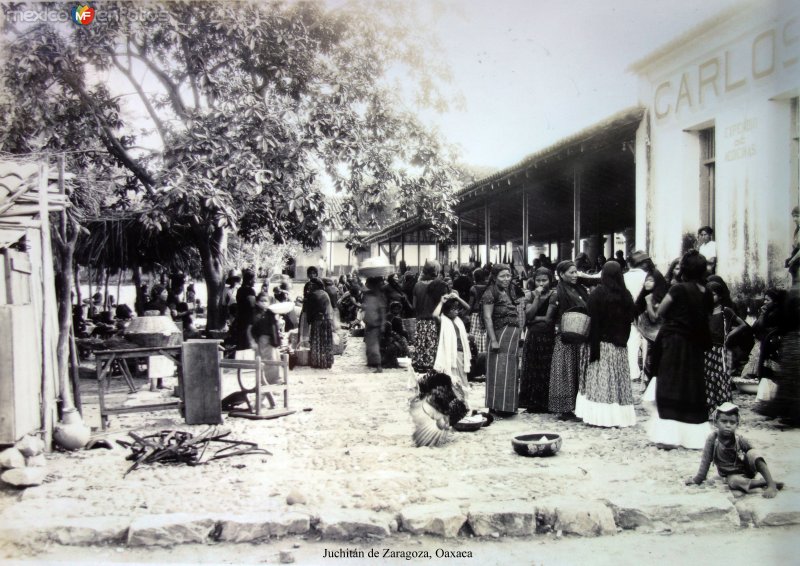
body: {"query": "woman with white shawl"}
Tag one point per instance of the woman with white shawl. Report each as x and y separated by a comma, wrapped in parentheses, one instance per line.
(452, 351)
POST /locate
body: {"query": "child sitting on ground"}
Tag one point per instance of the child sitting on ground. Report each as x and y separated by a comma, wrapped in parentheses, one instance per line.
(736, 460)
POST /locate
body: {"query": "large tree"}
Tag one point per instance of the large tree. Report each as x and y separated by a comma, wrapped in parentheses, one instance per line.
(252, 105)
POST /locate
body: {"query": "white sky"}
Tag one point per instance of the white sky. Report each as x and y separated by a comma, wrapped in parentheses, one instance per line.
(534, 71)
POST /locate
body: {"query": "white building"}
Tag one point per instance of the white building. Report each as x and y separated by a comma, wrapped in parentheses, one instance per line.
(719, 141)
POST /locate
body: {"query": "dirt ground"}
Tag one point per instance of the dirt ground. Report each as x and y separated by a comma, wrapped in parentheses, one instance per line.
(353, 449)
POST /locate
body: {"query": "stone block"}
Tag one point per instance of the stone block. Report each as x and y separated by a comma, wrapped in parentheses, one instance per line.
(66, 531)
(505, 518)
(346, 524)
(259, 526)
(30, 446)
(38, 461)
(707, 511)
(11, 458)
(24, 477)
(439, 519)
(782, 510)
(577, 517)
(170, 529)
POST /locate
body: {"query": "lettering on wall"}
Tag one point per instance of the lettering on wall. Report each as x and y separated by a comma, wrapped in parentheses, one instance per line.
(758, 58)
(739, 134)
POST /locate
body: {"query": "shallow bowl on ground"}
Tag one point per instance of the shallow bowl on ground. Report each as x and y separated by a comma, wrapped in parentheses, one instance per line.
(470, 424)
(746, 385)
(403, 362)
(537, 444)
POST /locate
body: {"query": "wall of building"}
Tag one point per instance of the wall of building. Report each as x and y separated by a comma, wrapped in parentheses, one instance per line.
(741, 76)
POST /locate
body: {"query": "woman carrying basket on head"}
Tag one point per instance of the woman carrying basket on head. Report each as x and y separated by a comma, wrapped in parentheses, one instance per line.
(569, 356)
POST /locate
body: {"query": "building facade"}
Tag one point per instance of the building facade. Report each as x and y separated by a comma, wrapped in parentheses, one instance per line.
(719, 142)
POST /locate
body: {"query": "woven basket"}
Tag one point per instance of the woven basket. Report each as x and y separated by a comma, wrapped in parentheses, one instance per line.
(154, 331)
(574, 326)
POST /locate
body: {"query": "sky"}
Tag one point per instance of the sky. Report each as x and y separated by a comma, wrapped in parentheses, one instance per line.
(530, 72)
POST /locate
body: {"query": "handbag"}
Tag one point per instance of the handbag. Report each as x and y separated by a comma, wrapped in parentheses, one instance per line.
(574, 326)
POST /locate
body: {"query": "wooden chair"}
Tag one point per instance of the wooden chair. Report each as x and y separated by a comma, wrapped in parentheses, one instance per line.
(256, 410)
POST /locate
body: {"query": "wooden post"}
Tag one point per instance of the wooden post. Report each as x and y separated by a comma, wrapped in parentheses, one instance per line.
(525, 234)
(458, 240)
(403, 246)
(576, 211)
(487, 218)
(419, 255)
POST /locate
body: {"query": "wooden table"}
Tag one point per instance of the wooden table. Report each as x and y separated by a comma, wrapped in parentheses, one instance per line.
(105, 358)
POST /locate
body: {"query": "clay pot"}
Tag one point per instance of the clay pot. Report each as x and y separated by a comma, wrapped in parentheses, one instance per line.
(71, 434)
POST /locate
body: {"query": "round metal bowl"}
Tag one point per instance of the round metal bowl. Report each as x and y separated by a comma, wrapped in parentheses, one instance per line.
(537, 444)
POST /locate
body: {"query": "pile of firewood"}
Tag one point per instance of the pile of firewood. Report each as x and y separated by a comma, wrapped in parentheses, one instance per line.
(178, 447)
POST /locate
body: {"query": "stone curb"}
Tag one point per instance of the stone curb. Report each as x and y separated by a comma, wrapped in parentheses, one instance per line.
(483, 519)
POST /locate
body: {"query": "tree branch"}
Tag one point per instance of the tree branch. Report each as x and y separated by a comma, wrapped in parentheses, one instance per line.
(140, 91)
(172, 89)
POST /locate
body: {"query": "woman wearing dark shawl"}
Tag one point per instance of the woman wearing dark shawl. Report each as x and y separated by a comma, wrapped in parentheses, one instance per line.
(427, 293)
(604, 394)
(317, 308)
(537, 354)
(501, 319)
(374, 319)
(569, 359)
(682, 418)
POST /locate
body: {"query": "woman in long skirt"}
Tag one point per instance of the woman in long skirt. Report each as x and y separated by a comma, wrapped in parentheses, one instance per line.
(537, 354)
(476, 328)
(501, 319)
(682, 418)
(317, 307)
(604, 396)
(427, 293)
(374, 320)
(569, 359)
(717, 361)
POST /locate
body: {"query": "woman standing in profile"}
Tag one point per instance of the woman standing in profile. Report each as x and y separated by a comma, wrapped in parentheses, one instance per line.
(569, 359)
(538, 352)
(682, 418)
(501, 319)
(605, 397)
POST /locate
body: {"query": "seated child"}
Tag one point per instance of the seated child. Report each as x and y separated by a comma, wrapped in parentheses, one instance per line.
(736, 460)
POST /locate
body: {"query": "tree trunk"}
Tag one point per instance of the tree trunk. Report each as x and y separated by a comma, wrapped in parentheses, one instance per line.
(64, 289)
(141, 298)
(212, 255)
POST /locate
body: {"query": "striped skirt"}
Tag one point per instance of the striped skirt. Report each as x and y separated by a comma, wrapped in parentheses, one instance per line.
(321, 339)
(502, 381)
(477, 332)
(537, 355)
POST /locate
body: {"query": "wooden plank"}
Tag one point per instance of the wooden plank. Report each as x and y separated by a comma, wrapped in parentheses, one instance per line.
(19, 373)
(143, 408)
(201, 389)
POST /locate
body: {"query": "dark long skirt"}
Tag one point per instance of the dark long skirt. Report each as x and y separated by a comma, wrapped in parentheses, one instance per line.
(502, 380)
(393, 346)
(321, 339)
(534, 383)
(569, 361)
(717, 379)
(425, 343)
(680, 387)
(372, 340)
